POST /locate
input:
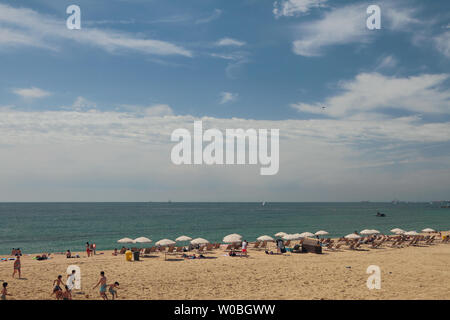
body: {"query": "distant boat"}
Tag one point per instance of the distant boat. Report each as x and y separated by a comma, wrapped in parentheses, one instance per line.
(263, 203)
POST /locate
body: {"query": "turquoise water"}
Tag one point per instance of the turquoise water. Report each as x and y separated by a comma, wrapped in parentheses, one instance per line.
(54, 227)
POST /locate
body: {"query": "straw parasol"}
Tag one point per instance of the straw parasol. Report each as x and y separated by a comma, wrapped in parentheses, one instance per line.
(280, 234)
(321, 233)
(398, 231)
(375, 231)
(142, 240)
(125, 240)
(232, 238)
(264, 238)
(367, 231)
(199, 241)
(306, 234)
(352, 236)
(165, 242)
(411, 233)
(183, 238)
(428, 230)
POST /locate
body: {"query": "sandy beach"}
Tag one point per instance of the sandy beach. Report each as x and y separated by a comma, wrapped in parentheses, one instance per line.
(414, 272)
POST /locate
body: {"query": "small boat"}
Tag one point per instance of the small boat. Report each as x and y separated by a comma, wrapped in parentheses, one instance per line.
(263, 203)
(380, 214)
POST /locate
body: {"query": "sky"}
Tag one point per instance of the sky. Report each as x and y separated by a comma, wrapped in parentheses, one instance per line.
(87, 115)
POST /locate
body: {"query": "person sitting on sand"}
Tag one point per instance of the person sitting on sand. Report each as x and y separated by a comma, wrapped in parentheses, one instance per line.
(68, 254)
(113, 289)
(67, 294)
(5, 291)
(57, 290)
(17, 267)
(115, 253)
(103, 285)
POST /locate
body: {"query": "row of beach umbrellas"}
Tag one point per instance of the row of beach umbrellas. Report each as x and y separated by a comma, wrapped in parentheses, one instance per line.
(234, 237)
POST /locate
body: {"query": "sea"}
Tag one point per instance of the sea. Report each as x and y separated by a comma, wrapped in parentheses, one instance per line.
(57, 227)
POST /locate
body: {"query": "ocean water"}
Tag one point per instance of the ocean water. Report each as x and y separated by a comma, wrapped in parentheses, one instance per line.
(56, 227)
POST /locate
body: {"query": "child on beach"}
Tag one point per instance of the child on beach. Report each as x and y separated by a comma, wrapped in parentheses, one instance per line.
(17, 266)
(103, 285)
(67, 295)
(113, 289)
(5, 291)
(70, 283)
(57, 287)
(88, 249)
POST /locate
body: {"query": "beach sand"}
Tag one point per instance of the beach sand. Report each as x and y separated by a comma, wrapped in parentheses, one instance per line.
(406, 273)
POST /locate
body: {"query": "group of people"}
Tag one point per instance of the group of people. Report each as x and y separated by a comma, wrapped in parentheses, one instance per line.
(66, 294)
(91, 249)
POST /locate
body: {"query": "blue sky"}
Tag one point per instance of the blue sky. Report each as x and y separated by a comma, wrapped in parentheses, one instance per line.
(379, 98)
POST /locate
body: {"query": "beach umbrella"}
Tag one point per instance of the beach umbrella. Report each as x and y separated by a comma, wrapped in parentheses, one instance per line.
(165, 242)
(264, 238)
(125, 240)
(352, 236)
(232, 238)
(142, 240)
(280, 234)
(411, 233)
(199, 241)
(292, 236)
(306, 234)
(398, 231)
(321, 233)
(375, 231)
(428, 230)
(367, 231)
(183, 238)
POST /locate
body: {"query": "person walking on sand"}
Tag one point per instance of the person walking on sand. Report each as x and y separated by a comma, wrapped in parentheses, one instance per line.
(5, 291)
(88, 249)
(67, 295)
(57, 290)
(17, 267)
(103, 285)
(94, 247)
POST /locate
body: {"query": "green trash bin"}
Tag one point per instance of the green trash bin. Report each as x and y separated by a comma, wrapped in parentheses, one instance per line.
(136, 255)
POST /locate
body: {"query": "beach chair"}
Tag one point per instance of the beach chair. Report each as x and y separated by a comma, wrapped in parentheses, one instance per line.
(256, 245)
(263, 245)
(179, 250)
(171, 248)
(228, 247)
(337, 246)
(152, 250)
(216, 246)
(287, 244)
(209, 247)
(329, 246)
(201, 249)
(146, 251)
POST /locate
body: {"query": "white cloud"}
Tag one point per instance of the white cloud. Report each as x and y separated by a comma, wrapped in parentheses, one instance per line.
(230, 42)
(157, 110)
(442, 43)
(347, 25)
(23, 26)
(31, 93)
(371, 92)
(289, 8)
(114, 156)
(226, 97)
(215, 15)
(387, 62)
(236, 61)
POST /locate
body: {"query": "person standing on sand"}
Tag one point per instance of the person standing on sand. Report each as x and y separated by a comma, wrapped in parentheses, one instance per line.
(244, 247)
(17, 267)
(88, 249)
(103, 285)
(70, 283)
(94, 247)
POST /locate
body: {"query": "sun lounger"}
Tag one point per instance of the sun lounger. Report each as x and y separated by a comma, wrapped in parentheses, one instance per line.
(256, 245)
(216, 245)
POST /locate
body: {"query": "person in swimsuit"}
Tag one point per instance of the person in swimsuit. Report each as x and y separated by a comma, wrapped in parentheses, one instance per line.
(67, 295)
(5, 291)
(244, 247)
(88, 249)
(103, 285)
(57, 290)
(17, 267)
(113, 289)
